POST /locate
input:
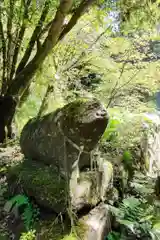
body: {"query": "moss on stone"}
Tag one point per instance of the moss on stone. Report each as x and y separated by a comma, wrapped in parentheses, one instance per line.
(49, 230)
(78, 108)
(43, 183)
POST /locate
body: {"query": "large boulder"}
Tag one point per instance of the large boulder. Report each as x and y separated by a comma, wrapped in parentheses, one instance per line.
(66, 137)
(49, 188)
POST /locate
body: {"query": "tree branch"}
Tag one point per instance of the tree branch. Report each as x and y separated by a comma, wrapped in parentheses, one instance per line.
(2, 37)
(45, 29)
(34, 37)
(9, 36)
(43, 106)
(115, 89)
(20, 38)
(23, 79)
(84, 5)
(135, 61)
(83, 53)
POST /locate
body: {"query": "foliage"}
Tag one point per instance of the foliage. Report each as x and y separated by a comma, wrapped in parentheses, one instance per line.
(111, 132)
(138, 15)
(137, 219)
(119, 133)
(29, 214)
(113, 236)
(30, 235)
(79, 53)
(29, 31)
(127, 157)
(142, 186)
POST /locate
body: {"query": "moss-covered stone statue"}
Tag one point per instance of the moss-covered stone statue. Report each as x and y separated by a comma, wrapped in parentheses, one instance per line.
(66, 137)
(58, 145)
(55, 147)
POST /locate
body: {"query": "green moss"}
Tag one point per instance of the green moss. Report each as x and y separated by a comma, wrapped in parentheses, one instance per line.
(54, 232)
(42, 182)
(50, 230)
(78, 108)
(81, 229)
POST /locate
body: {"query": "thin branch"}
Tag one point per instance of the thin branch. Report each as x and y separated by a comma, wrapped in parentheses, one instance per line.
(83, 53)
(81, 9)
(20, 38)
(114, 89)
(55, 64)
(67, 54)
(34, 38)
(120, 87)
(146, 59)
(42, 108)
(45, 29)
(15, 35)
(2, 37)
(9, 36)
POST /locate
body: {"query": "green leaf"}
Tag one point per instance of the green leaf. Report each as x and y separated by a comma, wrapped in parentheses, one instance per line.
(131, 202)
(19, 200)
(147, 218)
(127, 156)
(128, 224)
(156, 226)
(113, 236)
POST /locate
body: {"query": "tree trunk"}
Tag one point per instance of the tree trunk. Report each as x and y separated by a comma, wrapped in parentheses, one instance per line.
(24, 97)
(55, 34)
(7, 110)
(44, 103)
(23, 77)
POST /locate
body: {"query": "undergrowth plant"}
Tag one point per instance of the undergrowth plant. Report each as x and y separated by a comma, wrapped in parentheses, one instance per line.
(127, 160)
(30, 235)
(111, 132)
(137, 220)
(29, 213)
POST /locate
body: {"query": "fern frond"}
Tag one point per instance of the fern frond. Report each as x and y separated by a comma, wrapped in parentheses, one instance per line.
(29, 213)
